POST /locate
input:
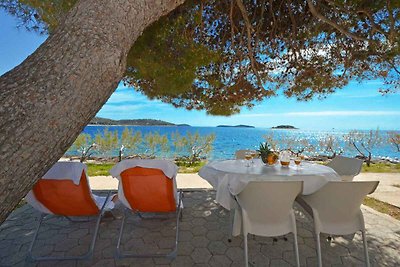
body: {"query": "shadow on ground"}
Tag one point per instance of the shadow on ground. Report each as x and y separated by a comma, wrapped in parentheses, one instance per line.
(203, 240)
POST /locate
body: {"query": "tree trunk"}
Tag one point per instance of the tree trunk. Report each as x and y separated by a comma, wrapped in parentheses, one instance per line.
(47, 100)
(369, 159)
(120, 155)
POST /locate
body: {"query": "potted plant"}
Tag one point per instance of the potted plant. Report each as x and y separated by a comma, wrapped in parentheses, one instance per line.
(267, 155)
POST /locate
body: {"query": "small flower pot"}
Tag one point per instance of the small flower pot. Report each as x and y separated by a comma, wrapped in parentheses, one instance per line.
(271, 159)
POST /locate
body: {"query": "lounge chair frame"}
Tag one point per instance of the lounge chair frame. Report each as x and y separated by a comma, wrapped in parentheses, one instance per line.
(82, 257)
(124, 254)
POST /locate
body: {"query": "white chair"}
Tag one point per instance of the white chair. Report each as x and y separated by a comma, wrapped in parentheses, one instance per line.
(335, 209)
(266, 209)
(346, 167)
(240, 154)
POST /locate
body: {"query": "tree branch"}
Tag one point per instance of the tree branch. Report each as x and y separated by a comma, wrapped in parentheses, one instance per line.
(249, 30)
(371, 20)
(273, 23)
(315, 13)
(359, 151)
(392, 22)
(245, 16)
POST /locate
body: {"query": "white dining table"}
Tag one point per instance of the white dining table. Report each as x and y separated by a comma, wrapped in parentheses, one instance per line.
(230, 177)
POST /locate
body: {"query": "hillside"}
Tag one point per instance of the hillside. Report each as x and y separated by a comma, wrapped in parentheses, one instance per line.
(141, 122)
(237, 126)
(284, 127)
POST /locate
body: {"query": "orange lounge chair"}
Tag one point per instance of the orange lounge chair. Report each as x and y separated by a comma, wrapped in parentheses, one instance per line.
(64, 191)
(148, 186)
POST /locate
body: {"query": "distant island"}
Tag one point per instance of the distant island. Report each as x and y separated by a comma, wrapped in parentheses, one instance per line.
(137, 122)
(284, 127)
(237, 126)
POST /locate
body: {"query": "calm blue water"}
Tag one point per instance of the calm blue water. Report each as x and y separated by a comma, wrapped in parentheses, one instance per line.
(228, 140)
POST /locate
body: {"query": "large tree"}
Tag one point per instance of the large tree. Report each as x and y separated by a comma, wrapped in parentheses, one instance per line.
(47, 100)
(217, 55)
(228, 54)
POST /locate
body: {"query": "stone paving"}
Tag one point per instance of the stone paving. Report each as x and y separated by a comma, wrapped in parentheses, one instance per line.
(388, 189)
(203, 240)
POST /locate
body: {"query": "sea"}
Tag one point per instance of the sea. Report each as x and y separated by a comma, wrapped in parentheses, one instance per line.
(230, 139)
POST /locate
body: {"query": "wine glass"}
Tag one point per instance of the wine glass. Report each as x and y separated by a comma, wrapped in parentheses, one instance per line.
(248, 157)
(297, 160)
(253, 154)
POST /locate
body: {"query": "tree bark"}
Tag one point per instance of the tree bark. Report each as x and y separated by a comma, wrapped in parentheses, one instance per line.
(47, 100)
(369, 158)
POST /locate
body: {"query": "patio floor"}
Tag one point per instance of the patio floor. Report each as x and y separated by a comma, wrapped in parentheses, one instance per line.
(203, 240)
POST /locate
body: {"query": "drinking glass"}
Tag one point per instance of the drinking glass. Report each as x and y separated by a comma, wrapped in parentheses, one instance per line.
(248, 157)
(253, 154)
(297, 160)
(285, 158)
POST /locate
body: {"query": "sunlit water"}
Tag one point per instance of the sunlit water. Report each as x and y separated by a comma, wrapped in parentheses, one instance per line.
(228, 140)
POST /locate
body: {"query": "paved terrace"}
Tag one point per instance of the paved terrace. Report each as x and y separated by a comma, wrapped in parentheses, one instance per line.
(203, 240)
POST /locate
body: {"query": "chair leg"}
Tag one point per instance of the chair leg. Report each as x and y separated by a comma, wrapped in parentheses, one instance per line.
(296, 249)
(231, 219)
(246, 248)
(30, 255)
(121, 254)
(365, 248)
(82, 257)
(246, 252)
(318, 246)
(121, 230)
(49, 258)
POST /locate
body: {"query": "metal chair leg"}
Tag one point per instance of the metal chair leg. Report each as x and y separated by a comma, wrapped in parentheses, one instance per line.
(121, 254)
(318, 246)
(296, 249)
(76, 220)
(231, 219)
(30, 255)
(246, 250)
(82, 257)
(367, 263)
(49, 258)
(120, 234)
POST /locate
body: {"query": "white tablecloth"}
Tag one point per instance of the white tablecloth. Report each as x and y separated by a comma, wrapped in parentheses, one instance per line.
(230, 177)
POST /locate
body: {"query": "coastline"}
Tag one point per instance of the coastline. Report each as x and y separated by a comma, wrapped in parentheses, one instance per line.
(335, 131)
(228, 140)
(137, 125)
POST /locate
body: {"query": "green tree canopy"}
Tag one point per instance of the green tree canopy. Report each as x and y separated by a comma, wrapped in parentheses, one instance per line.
(222, 55)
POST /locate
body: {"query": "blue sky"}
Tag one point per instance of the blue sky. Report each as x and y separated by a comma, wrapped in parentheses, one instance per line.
(357, 106)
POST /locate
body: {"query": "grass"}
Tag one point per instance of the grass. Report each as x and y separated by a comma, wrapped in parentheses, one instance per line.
(382, 167)
(185, 168)
(102, 169)
(382, 207)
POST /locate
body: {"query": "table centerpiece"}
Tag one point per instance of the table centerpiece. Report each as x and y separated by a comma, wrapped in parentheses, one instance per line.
(267, 155)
